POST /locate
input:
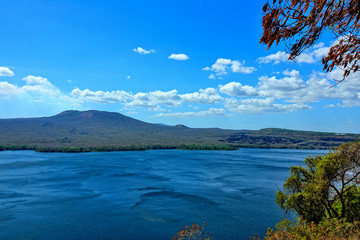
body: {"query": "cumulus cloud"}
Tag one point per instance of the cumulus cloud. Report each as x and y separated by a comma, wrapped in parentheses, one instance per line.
(261, 105)
(277, 93)
(285, 87)
(280, 93)
(153, 99)
(100, 96)
(311, 56)
(6, 72)
(291, 93)
(222, 66)
(276, 58)
(238, 90)
(35, 86)
(204, 96)
(8, 90)
(141, 50)
(210, 112)
(32, 80)
(179, 57)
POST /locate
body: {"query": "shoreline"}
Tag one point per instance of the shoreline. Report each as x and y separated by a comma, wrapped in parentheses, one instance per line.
(145, 148)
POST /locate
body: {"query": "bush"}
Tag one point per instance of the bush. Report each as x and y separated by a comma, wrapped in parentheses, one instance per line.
(195, 232)
(329, 229)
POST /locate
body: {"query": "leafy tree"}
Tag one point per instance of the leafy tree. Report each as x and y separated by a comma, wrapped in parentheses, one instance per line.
(301, 22)
(325, 187)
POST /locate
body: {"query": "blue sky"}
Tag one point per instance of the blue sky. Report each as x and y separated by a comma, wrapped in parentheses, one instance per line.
(197, 63)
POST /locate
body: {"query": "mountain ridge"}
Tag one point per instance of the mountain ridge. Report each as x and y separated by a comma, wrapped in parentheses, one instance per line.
(94, 130)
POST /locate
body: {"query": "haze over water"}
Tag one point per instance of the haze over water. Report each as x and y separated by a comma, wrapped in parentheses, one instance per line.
(141, 195)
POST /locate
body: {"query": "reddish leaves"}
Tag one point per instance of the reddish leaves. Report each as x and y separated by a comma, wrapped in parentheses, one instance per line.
(301, 22)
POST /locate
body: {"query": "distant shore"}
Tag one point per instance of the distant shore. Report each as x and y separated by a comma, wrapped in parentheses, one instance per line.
(144, 148)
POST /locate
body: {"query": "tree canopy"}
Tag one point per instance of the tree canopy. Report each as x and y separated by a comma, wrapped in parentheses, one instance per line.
(300, 23)
(325, 187)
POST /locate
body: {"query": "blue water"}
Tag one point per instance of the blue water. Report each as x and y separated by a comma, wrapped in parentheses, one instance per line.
(141, 195)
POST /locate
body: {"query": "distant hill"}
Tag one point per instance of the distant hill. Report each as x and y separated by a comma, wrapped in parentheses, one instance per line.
(108, 131)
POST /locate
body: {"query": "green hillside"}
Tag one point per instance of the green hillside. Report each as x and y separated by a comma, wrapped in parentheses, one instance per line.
(108, 131)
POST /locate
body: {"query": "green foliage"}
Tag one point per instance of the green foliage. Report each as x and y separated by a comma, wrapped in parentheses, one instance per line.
(328, 229)
(16, 147)
(207, 147)
(106, 131)
(131, 148)
(325, 187)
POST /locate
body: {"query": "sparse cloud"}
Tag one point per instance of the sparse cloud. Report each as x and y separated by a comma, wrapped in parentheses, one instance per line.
(141, 50)
(128, 77)
(212, 76)
(315, 54)
(222, 66)
(207, 113)
(179, 57)
(6, 72)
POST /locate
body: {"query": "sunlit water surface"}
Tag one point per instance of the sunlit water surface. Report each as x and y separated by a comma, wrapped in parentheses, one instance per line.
(141, 195)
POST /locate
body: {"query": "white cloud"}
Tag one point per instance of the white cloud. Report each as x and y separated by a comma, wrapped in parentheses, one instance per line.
(272, 94)
(330, 106)
(223, 65)
(212, 76)
(140, 50)
(317, 53)
(8, 90)
(179, 57)
(40, 90)
(153, 99)
(276, 58)
(261, 105)
(238, 90)
(6, 72)
(210, 112)
(128, 77)
(39, 85)
(320, 52)
(32, 80)
(35, 86)
(204, 96)
(238, 67)
(305, 58)
(101, 96)
(292, 89)
(281, 88)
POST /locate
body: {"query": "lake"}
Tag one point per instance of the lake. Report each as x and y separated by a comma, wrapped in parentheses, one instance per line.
(141, 195)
